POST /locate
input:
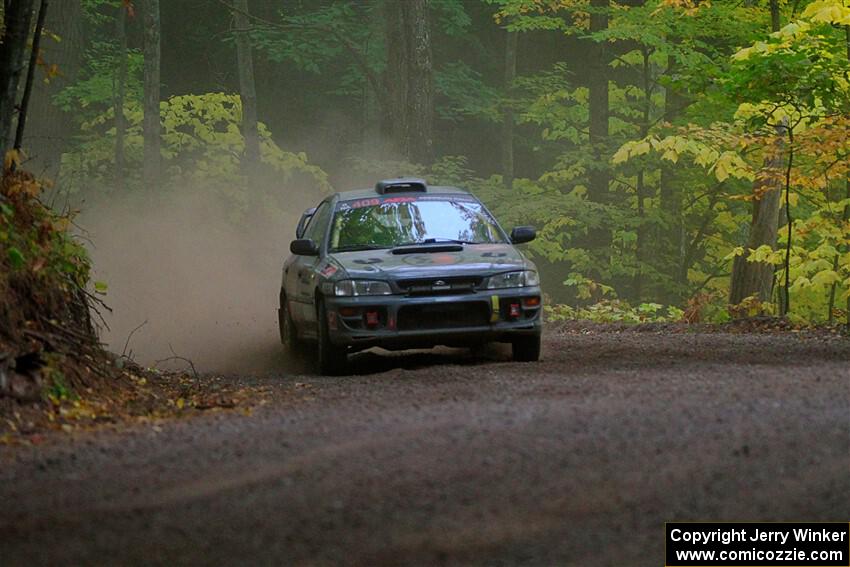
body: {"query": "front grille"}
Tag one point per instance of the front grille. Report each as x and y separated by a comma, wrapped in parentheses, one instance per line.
(443, 316)
(440, 286)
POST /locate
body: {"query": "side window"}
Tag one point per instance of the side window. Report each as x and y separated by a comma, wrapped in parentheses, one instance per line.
(316, 228)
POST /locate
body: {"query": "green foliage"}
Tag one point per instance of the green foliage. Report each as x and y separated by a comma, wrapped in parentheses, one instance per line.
(701, 97)
(201, 146)
(56, 389)
(466, 94)
(36, 240)
(615, 311)
(95, 90)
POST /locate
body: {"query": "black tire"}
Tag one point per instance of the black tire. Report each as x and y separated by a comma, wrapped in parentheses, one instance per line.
(331, 360)
(526, 349)
(288, 334)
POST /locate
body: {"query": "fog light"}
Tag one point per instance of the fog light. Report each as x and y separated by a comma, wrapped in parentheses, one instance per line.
(372, 319)
(514, 311)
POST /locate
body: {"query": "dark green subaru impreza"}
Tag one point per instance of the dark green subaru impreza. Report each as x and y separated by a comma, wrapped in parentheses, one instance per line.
(406, 265)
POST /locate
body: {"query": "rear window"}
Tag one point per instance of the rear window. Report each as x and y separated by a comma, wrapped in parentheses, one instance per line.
(393, 221)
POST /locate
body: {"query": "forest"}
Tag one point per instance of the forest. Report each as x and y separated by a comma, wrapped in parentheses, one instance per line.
(182, 383)
(681, 160)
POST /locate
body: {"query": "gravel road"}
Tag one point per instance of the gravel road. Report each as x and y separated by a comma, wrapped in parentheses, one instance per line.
(455, 459)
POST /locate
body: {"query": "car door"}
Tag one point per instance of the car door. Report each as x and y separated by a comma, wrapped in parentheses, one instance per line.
(305, 270)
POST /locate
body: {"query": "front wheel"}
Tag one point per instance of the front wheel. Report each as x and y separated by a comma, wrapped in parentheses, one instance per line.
(330, 358)
(526, 349)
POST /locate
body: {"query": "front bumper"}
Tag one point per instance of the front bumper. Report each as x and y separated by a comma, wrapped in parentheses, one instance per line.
(407, 321)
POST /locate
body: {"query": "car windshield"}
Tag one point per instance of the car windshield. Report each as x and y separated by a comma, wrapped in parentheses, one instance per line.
(398, 221)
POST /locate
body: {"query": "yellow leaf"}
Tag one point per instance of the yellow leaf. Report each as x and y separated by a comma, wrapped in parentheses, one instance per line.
(12, 157)
(641, 148)
(180, 403)
(793, 198)
(621, 155)
(670, 155)
(737, 251)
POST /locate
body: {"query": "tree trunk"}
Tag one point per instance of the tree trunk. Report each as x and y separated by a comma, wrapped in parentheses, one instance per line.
(756, 278)
(47, 124)
(247, 89)
(599, 239)
(847, 206)
(847, 190)
(17, 19)
(396, 77)
(118, 96)
(409, 79)
(421, 90)
(34, 52)
(640, 186)
(671, 236)
(508, 113)
(774, 15)
(597, 68)
(152, 155)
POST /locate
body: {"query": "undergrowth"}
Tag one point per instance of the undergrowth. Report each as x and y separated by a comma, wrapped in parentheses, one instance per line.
(48, 343)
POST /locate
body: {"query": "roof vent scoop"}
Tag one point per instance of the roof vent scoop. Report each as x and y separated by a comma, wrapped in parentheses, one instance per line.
(401, 185)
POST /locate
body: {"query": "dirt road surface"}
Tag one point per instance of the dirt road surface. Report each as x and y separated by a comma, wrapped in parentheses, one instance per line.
(454, 459)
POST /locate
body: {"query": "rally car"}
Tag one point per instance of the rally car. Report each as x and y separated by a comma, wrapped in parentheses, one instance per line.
(406, 265)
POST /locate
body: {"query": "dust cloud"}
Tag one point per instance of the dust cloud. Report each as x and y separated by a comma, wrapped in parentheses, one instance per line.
(206, 287)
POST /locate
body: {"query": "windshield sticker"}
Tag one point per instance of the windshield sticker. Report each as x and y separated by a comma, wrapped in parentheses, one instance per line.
(376, 201)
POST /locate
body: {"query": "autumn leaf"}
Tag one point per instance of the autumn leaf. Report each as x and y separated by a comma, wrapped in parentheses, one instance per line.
(12, 158)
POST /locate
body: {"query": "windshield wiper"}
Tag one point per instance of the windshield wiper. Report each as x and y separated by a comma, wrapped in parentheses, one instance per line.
(357, 247)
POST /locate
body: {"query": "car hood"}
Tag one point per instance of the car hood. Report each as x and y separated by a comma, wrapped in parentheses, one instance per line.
(478, 259)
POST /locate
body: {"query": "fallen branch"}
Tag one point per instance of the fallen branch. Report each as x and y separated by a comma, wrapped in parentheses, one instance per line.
(130, 336)
(88, 339)
(178, 357)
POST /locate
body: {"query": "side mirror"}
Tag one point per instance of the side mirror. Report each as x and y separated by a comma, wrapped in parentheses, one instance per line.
(304, 221)
(304, 247)
(522, 234)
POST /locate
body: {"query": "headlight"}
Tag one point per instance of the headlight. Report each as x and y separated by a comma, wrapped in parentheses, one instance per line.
(525, 278)
(350, 288)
